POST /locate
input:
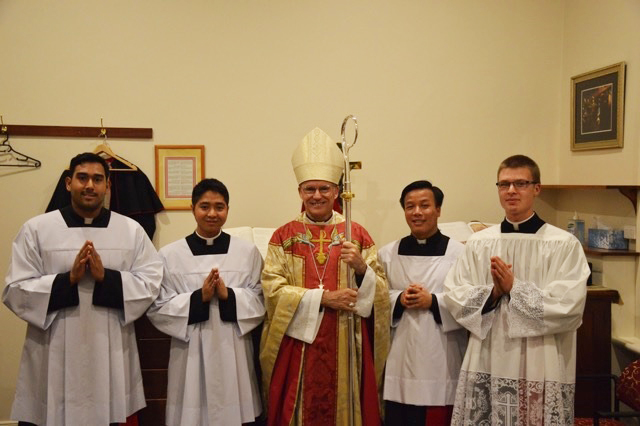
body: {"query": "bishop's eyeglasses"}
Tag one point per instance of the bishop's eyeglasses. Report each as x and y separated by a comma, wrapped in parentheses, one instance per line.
(504, 185)
(311, 190)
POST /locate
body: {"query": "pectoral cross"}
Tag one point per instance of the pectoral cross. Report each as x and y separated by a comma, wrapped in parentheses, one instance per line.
(321, 257)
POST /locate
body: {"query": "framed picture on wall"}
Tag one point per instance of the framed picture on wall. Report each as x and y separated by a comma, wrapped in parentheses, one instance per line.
(597, 108)
(178, 169)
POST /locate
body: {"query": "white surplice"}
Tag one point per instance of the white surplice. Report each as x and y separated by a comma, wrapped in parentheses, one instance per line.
(424, 361)
(212, 380)
(79, 364)
(519, 368)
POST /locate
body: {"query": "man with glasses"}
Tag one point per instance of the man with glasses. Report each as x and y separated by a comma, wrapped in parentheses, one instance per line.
(304, 348)
(520, 289)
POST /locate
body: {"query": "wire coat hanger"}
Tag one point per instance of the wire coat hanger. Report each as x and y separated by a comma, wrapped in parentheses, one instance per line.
(9, 157)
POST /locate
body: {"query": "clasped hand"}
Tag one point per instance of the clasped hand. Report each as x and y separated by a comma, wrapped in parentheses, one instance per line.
(416, 297)
(502, 275)
(87, 259)
(214, 286)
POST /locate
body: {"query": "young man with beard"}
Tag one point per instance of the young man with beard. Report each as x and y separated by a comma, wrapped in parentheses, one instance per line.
(80, 276)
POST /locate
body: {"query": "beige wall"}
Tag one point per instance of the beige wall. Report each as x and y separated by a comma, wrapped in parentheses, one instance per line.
(597, 34)
(442, 90)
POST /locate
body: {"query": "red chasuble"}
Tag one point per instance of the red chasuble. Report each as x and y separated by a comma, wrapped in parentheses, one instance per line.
(309, 374)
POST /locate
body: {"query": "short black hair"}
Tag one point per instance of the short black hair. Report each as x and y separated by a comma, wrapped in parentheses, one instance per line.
(438, 195)
(88, 157)
(213, 185)
(517, 161)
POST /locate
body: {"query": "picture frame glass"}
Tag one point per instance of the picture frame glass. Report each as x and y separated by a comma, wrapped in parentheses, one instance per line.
(178, 169)
(597, 109)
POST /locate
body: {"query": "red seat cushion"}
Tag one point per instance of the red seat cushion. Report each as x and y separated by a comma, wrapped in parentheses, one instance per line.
(628, 389)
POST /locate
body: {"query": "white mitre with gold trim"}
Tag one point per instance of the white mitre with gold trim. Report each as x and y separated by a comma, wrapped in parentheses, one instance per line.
(317, 158)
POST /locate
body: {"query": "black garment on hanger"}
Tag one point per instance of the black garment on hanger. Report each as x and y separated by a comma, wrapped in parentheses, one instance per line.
(132, 195)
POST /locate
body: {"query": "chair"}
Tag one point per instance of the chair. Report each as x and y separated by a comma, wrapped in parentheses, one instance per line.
(627, 391)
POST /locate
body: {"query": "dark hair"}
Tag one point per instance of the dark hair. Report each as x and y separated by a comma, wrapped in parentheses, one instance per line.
(88, 157)
(517, 161)
(213, 185)
(438, 195)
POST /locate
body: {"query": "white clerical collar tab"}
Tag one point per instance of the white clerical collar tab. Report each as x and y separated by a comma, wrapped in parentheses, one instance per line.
(209, 240)
(517, 224)
(88, 220)
(421, 241)
(313, 222)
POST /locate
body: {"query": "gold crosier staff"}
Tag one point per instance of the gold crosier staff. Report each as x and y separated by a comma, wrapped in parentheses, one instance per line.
(347, 195)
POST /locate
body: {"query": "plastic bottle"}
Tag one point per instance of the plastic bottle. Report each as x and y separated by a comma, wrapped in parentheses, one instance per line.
(575, 226)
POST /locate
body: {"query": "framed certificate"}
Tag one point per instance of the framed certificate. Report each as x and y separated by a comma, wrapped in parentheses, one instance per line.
(178, 169)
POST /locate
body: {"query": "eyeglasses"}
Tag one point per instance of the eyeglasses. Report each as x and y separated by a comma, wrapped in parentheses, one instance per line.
(504, 185)
(311, 190)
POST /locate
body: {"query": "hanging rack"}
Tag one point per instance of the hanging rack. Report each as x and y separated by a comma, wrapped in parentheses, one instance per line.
(104, 150)
(78, 132)
(8, 153)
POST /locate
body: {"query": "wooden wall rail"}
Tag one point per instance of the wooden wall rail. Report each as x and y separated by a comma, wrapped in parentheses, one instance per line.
(78, 132)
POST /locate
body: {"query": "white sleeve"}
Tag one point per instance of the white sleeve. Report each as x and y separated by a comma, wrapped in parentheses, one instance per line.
(448, 321)
(366, 293)
(250, 308)
(393, 299)
(141, 284)
(306, 321)
(169, 313)
(466, 292)
(556, 307)
(28, 288)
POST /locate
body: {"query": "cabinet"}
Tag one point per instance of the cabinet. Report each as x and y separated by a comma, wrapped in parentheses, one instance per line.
(593, 355)
(153, 347)
(616, 206)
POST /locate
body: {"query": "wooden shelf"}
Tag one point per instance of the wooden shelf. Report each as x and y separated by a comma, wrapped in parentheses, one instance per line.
(629, 191)
(607, 252)
(601, 292)
(636, 187)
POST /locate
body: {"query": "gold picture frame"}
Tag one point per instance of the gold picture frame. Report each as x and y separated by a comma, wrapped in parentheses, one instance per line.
(178, 169)
(597, 108)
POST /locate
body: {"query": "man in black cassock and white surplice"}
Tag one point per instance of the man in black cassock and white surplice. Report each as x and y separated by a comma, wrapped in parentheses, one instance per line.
(210, 301)
(520, 289)
(428, 345)
(80, 276)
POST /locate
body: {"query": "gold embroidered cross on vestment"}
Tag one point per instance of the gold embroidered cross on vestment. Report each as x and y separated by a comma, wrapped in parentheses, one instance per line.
(321, 257)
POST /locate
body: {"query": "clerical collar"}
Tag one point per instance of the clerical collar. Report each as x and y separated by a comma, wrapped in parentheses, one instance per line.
(74, 220)
(436, 245)
(528, 226)
(209, 240)
(313, 222)
(199, 246)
